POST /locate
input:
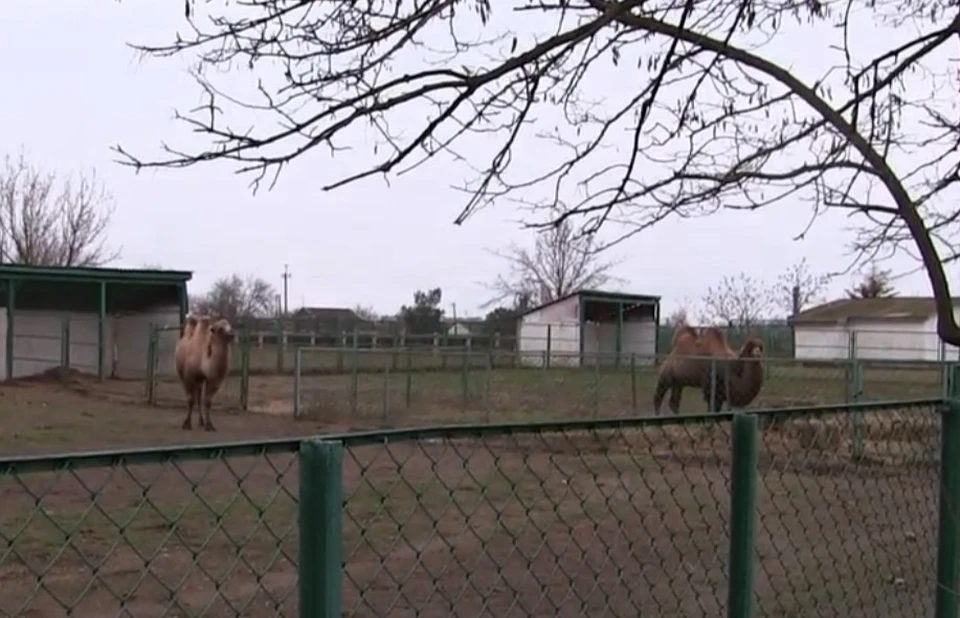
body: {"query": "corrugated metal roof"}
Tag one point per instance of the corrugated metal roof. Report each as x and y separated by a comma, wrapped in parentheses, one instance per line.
(599, 295)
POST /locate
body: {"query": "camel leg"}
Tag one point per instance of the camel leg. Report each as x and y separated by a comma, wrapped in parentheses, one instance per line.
(676, 393)
(207, 404)
(659, 393)
(192, 400)
(718, 394)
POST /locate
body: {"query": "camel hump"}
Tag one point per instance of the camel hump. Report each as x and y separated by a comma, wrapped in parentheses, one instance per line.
(683, 332)
(189, 326)
(714, 339)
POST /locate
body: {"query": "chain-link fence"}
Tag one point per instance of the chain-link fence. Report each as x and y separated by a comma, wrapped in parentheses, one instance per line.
(369, 387)
(831, 511)
(621, 519)
(173, 532)
(396, 388)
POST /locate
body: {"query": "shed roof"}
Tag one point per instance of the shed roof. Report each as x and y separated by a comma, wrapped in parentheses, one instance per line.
(600, 296)
(90, 274)
(63, 288)
(896, 309)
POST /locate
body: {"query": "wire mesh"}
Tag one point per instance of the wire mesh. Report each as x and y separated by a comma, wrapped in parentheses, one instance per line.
(848, 513)
(615, 517)
(563, 522)
(155, 537)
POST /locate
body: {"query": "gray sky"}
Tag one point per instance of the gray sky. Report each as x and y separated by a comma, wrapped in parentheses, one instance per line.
(75, 89)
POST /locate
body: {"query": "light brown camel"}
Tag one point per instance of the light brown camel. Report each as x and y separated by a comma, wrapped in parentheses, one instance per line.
(202, 358)
(738, 377)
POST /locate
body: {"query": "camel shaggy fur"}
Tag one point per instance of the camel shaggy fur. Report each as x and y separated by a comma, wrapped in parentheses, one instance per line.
(738, 378)
(202, 358)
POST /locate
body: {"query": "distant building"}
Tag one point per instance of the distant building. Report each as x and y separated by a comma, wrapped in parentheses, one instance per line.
(898, 328)
(327, 318)
(463, 327)
(588, 327)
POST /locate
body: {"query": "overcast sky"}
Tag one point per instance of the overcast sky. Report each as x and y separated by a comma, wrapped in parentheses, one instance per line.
(74, 89)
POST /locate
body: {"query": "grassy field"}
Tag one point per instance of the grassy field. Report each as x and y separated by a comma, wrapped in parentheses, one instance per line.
(564, 524)
(505, 395)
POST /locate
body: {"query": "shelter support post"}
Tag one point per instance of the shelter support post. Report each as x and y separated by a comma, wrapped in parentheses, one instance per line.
(102, 332)
(656, 331)
(619, 344)
(184, 302)
(11, 304)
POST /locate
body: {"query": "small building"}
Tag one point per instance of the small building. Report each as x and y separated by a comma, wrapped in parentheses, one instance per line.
(463, 327)
(93, 320)
(899, 328)
(323, 319)
(588, 327)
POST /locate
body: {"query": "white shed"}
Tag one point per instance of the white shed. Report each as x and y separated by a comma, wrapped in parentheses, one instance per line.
(93, 320)
(588, 327)
(899, 328)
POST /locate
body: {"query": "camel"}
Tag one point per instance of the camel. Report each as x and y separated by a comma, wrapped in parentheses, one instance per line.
(202, 358)
(738, 378)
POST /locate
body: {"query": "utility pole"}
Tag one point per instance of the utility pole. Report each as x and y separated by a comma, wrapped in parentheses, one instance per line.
(286, 277)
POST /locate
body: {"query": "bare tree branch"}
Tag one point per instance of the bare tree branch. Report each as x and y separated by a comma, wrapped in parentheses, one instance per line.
(798, 288)
(521, 97)
(237, 297)
(561, 262)
(46, 221)
(737, 302)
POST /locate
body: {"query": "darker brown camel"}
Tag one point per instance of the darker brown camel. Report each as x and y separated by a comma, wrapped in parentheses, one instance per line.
(202, 357)
(738, 378)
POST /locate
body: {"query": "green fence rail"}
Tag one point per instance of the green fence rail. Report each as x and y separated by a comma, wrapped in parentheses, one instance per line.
(844, 510)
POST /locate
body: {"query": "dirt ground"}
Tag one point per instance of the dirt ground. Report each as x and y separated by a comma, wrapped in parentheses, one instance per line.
(634, 523)
(619, 522)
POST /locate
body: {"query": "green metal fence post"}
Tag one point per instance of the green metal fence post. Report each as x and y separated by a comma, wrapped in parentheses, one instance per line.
(948, 557)
(64, 347)
(856, 392)
(387, 362)
(596, 387)
(549, 351)
(464, 381)
(743, 513)
(947, 371)
(151, 363)
(713, 385)
(440, 344)
(487, 403)
(296, 382)
(278, 333)
(245, 345)
(321, 529)
(633, 381)
(355, 381)
(409, 380)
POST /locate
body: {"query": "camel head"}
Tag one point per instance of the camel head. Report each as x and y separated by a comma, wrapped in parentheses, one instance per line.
(222, 330)
(753, 348)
